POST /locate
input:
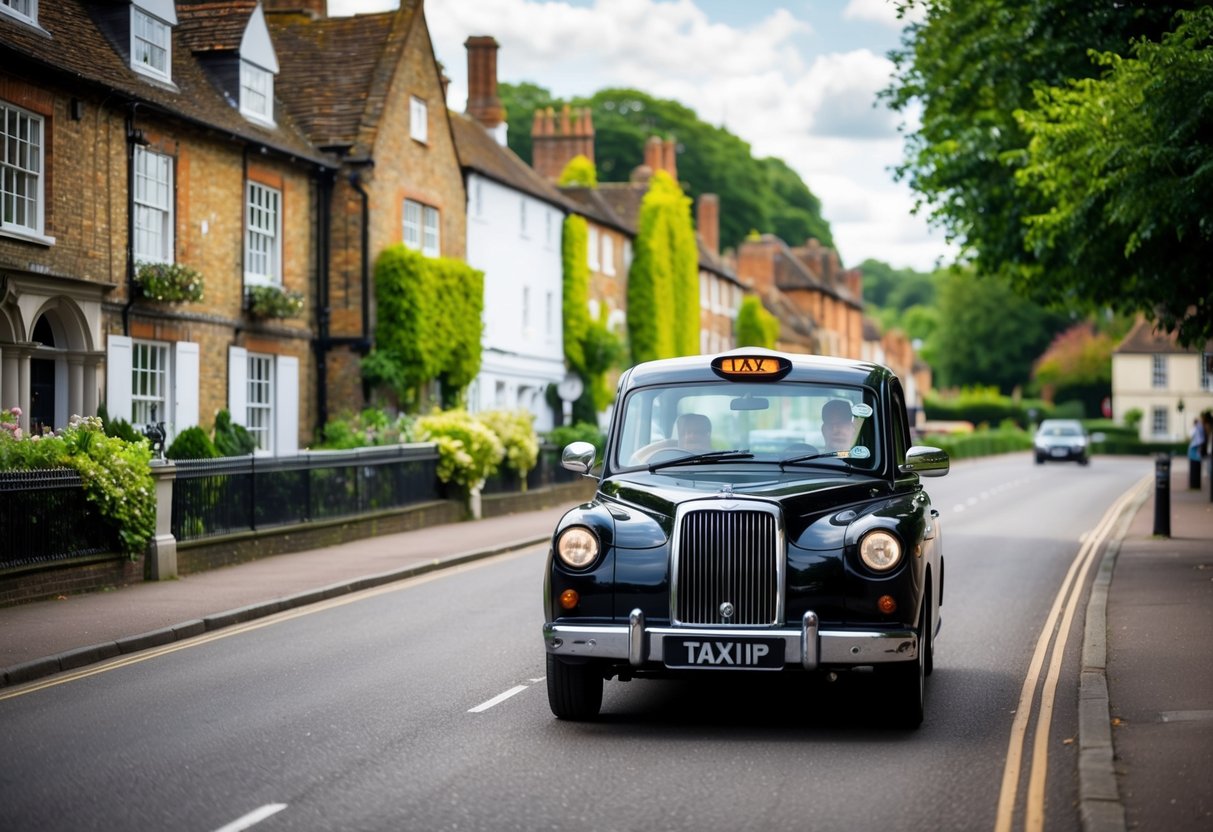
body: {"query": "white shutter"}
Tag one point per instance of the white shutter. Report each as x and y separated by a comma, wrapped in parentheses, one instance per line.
(185, 386)
(286, 405)
(118, 377)
(237, 384)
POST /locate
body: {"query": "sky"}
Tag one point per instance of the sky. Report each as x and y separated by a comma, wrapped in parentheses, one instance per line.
(796, 80)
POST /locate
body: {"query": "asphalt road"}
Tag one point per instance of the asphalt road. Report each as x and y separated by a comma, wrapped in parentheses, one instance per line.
(421, 706)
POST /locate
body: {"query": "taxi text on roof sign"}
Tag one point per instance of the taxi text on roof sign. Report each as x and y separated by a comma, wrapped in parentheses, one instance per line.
(752, 367)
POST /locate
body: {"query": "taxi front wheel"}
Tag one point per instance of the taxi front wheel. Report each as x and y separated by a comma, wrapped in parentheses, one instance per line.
(574, 691)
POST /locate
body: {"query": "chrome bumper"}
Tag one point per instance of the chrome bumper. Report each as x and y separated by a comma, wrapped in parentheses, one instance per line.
(808, 646)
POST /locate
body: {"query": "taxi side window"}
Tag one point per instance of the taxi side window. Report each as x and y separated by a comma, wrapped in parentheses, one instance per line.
(900, 425)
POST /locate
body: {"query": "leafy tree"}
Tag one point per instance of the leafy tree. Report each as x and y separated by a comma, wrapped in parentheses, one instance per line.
(986, 333)
(579, 171)
(755, 326)
(663, 281)
(1077, 366)
(972, 66)
(520, 102)
(1120, 166)
(603, 352)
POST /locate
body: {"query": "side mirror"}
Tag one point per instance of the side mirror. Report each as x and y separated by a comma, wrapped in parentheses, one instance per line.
(578, 457)
(925, 461)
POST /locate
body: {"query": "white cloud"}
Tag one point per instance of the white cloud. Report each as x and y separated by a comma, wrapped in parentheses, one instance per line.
(882, 13)
(814, 112)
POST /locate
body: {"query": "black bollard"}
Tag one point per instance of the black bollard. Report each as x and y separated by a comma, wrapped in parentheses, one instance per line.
(1162, 495)
(1194, 474)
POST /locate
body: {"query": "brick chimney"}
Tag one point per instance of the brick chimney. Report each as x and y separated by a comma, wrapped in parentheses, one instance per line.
(483, 103)
(315, 9)
(707, 221)
(756, 264)
(556, 140)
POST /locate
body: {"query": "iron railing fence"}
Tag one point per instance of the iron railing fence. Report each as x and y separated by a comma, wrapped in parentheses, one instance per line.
(45, 517)
(547, 472)
(235, 494)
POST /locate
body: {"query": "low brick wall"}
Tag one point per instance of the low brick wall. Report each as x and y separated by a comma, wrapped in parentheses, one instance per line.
(42, 583)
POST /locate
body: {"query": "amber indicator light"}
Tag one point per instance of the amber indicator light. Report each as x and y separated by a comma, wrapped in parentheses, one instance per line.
(887, 604)
(752, 367)
(569, 598)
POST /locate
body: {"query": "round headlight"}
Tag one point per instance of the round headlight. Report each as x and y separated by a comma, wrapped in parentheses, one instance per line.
(577, 547)
(880, 551)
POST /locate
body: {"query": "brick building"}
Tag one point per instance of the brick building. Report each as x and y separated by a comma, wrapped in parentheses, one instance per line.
(367, 90)
(149, 136)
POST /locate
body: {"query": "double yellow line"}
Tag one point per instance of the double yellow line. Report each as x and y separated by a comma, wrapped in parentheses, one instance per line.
(1063, 608)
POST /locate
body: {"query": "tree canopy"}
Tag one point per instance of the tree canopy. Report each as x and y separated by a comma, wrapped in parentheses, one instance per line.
(755, 194)
(1057, 152)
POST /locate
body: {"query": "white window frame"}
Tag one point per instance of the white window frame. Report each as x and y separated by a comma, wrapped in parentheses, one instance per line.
(22, 173)
(419, 120)
(1158, 378)
(153, 206)
(151, 37)
(263, 235)
(259, 400)
(256, 92)
(24, 10)
(608, 255)
(593, 249)
(1206, 378)
(1160, 421)
(522, 216)
(549, 315)
(151, 382)
(430, 231)
(410, 234)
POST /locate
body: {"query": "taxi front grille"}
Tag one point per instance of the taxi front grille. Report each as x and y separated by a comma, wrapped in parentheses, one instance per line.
(727, 569)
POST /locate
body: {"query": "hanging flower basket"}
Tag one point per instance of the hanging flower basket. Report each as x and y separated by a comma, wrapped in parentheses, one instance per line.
(168, 282)
(273, 302)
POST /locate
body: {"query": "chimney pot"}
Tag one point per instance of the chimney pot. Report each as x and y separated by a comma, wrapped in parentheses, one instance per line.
(483, 103)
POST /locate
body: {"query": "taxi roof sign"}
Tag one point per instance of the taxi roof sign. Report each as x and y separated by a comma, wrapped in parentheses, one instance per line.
(751, 367)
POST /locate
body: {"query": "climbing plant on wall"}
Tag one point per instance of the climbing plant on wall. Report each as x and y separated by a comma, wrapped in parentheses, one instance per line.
(428, 327)
(663, 281)
(755, 326)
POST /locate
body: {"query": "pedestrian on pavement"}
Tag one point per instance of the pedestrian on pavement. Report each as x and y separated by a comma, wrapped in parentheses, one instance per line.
(1196, 445)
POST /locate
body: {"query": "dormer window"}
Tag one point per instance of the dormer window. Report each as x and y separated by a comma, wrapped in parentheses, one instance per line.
(256, 92)
(23, 10)
(151, 45)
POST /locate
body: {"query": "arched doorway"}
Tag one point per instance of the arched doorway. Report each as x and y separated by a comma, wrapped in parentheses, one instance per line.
(42, 381)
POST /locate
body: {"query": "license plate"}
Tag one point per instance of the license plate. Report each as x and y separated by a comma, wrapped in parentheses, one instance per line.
(725, 653)
(1059, 452)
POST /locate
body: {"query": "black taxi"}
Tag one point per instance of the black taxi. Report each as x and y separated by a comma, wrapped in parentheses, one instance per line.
(755, 511)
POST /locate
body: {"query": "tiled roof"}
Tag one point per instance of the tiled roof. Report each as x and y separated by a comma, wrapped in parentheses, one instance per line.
(480, 152)
(213, 25)
(624, 200)
(82, 55)
(1143, 338)
(591, 203)
(336, 71)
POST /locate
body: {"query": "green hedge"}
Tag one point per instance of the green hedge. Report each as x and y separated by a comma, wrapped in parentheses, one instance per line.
(981, 443)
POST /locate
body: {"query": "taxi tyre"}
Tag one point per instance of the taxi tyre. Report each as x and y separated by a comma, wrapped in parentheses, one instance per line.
(574, 691)
(907, 683)
(928, 640)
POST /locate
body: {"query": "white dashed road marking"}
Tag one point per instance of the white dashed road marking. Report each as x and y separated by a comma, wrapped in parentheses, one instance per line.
(497, 700)
(253, 818)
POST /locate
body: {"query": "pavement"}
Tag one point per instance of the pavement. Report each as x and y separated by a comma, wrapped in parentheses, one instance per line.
(1145, 701)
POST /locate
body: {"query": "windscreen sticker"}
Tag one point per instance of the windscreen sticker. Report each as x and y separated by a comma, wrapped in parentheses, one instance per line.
(861, 411)
(860, 452)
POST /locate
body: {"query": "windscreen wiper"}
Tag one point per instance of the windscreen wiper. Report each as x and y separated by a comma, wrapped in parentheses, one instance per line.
(709, 456)
(808, 458)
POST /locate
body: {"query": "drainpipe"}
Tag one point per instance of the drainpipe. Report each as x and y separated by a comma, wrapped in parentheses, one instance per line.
(324, 312)
(356, 183)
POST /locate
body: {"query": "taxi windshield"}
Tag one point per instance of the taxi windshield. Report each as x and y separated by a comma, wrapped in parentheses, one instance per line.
(788, 421)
